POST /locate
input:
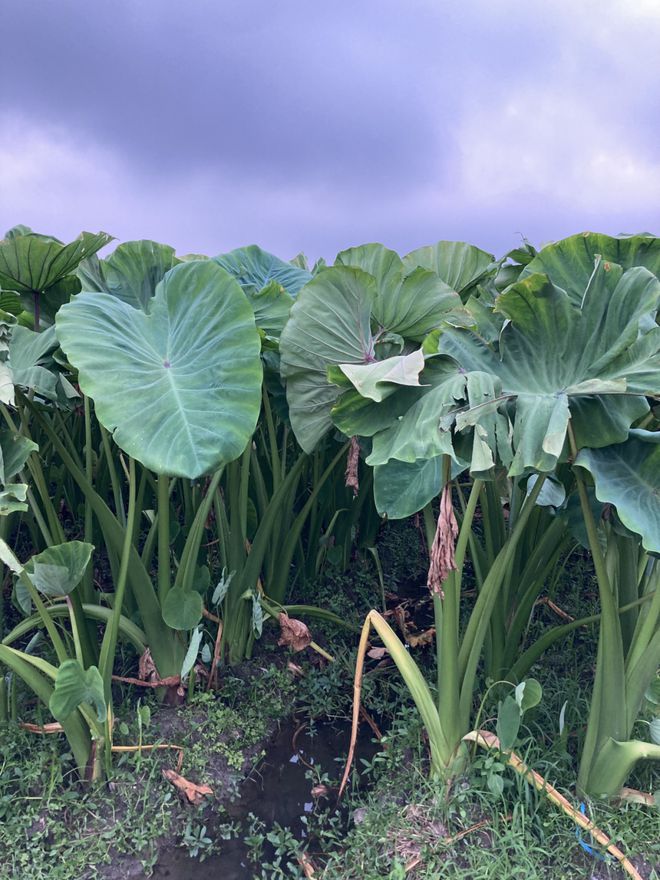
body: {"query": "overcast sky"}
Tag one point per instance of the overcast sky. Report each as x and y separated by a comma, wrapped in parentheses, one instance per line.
(311, 125)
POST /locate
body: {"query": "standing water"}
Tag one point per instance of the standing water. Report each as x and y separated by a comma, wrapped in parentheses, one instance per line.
(278, 792)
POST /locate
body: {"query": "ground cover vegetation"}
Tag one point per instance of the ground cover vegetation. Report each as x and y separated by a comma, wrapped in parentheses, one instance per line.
(203, 456)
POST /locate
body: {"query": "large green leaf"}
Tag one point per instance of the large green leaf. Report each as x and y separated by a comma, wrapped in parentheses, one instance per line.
(133, 271)
(591, 363)
(75, 685)
(31, 263)
(458, 264)
(403, 488)
(627, 475)
(180, 387)
(254, 269)
(356, 314)
(569, 263)
(330, 324)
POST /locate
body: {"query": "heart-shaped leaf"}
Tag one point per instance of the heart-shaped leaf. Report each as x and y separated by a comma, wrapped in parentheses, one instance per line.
(508, 723)
(179, 387)
(182, 609)
(75, 685)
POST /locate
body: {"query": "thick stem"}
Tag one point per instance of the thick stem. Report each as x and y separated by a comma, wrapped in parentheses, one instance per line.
(164, 572)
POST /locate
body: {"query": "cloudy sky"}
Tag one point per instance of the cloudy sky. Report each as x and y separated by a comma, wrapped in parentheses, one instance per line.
(311, 125)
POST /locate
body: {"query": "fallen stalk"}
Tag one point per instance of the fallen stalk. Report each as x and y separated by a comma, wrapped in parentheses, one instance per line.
(488, 741)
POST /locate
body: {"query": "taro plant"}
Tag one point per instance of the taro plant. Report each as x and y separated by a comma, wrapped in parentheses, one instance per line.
(41, 270)
(586, 354)
(178, 385)
(627, 478)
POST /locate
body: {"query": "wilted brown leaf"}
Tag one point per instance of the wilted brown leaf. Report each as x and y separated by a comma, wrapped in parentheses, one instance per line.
(423, 638)
(147, 668)
(442, 550)
(377, 653)
(306, 864)
(293, 633)
(193, 793)
(352, 463)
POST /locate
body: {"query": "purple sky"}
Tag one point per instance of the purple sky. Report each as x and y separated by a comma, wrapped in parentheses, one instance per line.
(313, 126)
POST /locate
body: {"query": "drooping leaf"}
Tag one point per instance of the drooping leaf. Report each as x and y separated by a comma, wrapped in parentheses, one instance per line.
(528, 694)
(627, 475)
(12, 498)
(420, 434)
(56, 571)
(75, 685)
(15, 449)
(403, 488)
(179, 387)
(222, 588)
(30, 357)
(257, 615)
(380, 379)
(552, 494)
(191, 654)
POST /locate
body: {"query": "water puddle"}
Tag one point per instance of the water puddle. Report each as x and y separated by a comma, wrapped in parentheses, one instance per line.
(278, 791)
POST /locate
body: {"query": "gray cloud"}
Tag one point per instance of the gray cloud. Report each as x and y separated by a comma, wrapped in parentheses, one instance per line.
(315, 126)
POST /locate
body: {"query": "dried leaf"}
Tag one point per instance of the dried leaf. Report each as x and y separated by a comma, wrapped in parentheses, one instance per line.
(319, 791)
(147, 668)
(377, 653)
(442, 551)
(423, 638)
(293, 633)
(192, 792)
(306, 864)
(295, 670)
(352, 462)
